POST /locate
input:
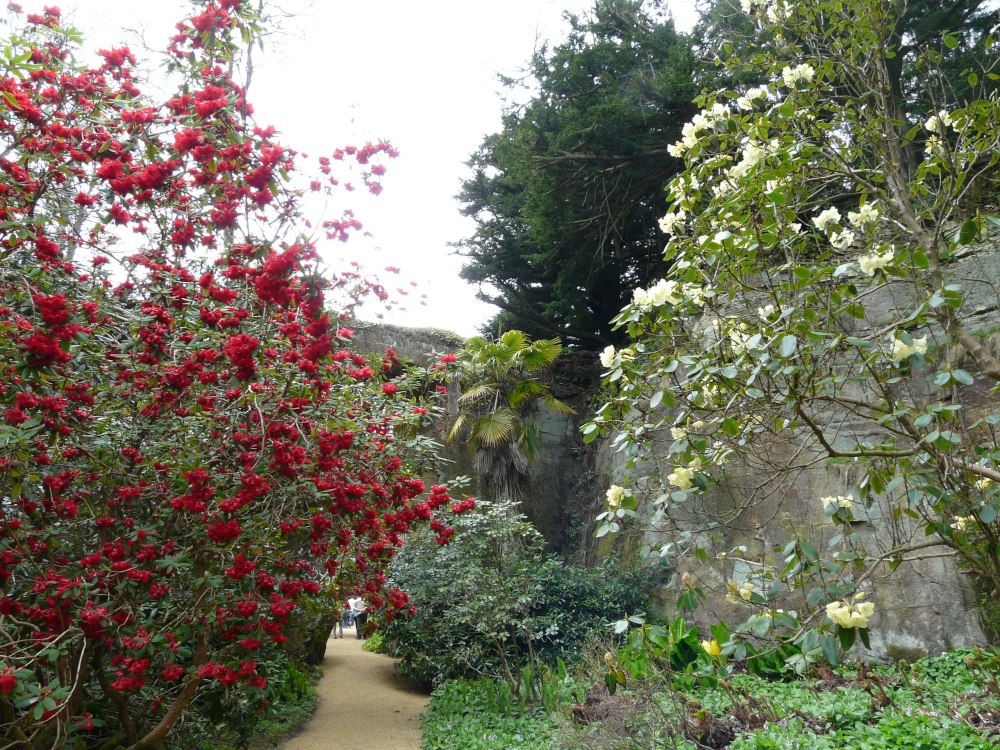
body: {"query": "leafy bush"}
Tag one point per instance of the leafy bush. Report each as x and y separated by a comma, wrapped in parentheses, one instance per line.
(491, 601)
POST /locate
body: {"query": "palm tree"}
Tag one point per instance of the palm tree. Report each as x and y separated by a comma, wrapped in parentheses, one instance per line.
(499, 389)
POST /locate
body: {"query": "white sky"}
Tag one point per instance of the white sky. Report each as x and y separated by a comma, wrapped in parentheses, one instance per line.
(420, 75)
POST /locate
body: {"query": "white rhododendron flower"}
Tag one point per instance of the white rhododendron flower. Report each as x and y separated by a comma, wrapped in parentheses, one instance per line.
(641, 299)
(983, 484)
(752, 154)
(938, 123)
(746, 101)
(962, 522)
(608, 356)
(704, 120)
(682, 478)
(866, 214)
(802, 72)
(664, 291)
(778, 11)
(840, 501)
(826, 218)
(678, 433)
(934, 146)
(869, 264)
(850, 615)
(670, 221)
(842, 239)
(615, 496)
(738, 592)
(901, 351)
(696, 293)
(767, 312)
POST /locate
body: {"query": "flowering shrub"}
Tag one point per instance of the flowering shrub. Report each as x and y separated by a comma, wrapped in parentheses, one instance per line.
(813, 284)
(190, 449)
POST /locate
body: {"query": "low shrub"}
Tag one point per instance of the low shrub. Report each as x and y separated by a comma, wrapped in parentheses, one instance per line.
(491, 601)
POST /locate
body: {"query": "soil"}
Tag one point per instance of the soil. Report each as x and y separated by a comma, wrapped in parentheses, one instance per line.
(362, 703)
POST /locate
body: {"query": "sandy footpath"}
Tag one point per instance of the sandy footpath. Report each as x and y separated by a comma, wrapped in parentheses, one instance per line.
(362, 704)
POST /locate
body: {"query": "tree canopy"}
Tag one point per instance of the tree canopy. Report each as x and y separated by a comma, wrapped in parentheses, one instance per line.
(567, 196)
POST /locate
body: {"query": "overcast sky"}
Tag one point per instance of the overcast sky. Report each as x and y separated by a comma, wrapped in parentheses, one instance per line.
(420, 75)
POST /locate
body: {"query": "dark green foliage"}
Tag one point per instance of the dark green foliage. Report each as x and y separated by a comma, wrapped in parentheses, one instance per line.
(490, 602)
(567, 196)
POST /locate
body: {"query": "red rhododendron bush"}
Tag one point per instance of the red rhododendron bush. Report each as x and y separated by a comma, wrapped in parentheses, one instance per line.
(190, 451)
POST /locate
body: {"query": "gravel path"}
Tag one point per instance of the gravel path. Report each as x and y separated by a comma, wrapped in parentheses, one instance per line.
(362, 703)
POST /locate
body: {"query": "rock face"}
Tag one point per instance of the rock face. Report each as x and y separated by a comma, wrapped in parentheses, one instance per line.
(924, 606)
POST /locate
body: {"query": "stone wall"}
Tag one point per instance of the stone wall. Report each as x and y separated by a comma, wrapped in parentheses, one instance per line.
(924, 606)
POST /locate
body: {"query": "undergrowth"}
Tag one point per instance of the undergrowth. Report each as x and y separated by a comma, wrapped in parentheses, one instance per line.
(292, 703)
(951, 702)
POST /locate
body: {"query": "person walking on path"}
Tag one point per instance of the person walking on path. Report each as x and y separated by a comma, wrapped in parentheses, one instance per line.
(360, 607)
(338, 625)
(348, 616)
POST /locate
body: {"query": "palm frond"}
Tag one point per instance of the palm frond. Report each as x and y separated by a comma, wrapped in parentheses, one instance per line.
(456, 428)
(494, 429)
(541, 354)
(556, 405)
(477, 392)
(524, 391)
(530, 440)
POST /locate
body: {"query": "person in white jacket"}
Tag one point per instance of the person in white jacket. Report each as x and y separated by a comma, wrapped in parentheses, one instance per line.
(360, 607)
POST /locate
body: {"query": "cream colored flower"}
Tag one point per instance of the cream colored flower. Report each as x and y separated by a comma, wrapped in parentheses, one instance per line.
(678, 433)
(961, 522)
(664, 291)
(850, 615)
(671, 221)
(682, 478)
(711, 647)
(934, 146)
(802, 72)
(840, 501)
(608, 356)
(766, 312)
(901, 351)
(746, 102)
(866, 214)
(738, 592)
(983, 484)
(826, 218)
(875, 262)
(938, 123)
(615, 496)
(842, 239)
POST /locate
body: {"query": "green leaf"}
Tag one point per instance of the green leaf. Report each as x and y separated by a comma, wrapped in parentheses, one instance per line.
(970, 230)
(863, 635)
(787, 345)
(610, 683)
(830, 651)
(987, 513)
(962, 377)
(656, 399)
(950, 42)
(847, 636)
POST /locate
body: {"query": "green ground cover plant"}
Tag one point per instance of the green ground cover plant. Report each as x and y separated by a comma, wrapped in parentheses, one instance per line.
(485, 715)
(950, 702)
